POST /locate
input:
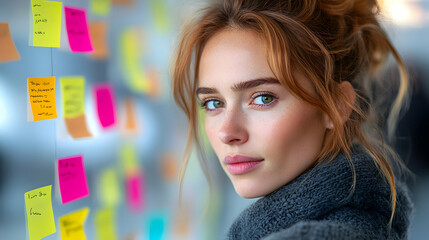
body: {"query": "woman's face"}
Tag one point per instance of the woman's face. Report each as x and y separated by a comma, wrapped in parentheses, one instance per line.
(263, 136)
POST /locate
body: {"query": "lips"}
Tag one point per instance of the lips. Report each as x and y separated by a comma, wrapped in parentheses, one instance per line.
(240, 164)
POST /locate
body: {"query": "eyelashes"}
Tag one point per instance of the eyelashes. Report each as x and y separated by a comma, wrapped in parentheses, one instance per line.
(262, 99)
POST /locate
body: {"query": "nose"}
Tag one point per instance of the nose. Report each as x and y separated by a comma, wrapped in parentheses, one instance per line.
(233, 128)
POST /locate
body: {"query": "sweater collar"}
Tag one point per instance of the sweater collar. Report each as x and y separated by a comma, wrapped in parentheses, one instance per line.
(314, 194)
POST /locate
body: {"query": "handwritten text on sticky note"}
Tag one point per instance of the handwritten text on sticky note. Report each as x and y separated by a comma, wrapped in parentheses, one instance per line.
(72, 179)
(41, 91)
(77, 30)
(73, 92)
(40, 217)
(72, 225)
(46, 23)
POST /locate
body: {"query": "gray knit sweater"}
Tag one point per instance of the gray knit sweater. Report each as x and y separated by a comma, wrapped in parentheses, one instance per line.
(317, 205)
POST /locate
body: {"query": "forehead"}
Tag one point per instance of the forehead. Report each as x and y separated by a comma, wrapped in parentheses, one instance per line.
(233, 55)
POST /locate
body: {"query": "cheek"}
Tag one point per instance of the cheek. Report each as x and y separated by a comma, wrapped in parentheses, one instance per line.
(211, 130)
(291, 132)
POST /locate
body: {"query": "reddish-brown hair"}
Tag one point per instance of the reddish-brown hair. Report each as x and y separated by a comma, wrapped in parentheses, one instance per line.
(328, 41)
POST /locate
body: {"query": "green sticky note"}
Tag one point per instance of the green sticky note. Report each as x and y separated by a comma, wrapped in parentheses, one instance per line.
(40, 217)
(73, 95)
(109, 188)
(100, 7)
(46, 23)
(105, 224)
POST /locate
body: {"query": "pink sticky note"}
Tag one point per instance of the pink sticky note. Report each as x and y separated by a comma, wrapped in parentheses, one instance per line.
(134, 192)
(72, 179)
(77, 30)
(105, 104)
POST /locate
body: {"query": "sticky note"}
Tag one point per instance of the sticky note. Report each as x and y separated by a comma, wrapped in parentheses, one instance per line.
(134, 185)
(98, 32)
(109, 188)
(129, 159)
(77, 30)
(169, 167)
(158, 9)
(153, 77)
(72, 225)
(105, 227)
(130, 116)
(105, 104)
(73, 96)
(73, 101)
(130, 43)
(77, 127)
(181, 221)
(46, 23)
(156, 225)
(8, 50)
(100, 7)
(41, 93)
(40, 216)
(72, 179)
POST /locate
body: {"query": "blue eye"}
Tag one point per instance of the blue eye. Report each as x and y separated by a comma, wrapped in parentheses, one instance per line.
(212, 104)
(263, 99)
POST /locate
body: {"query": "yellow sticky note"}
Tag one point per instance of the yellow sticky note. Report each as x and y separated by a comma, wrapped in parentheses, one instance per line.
(40, 217)
(105, 227)
(159, 14)
(129, 160)
(41, 92)
(100, 7)
(46, 23)
(131, 52)
(109, 188)
(73, 91)
(72, 225)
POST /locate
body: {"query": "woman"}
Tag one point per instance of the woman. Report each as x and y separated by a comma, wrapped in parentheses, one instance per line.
(285, 86)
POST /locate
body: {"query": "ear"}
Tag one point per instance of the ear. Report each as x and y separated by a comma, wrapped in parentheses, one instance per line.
(345, 105)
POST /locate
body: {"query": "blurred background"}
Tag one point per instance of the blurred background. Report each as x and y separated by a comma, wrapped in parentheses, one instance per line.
(135, 41)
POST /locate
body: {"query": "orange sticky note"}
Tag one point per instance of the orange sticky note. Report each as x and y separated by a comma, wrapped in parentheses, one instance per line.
(169, 167)
(41, 94)
(8, 50)
(40, 216)
(98, 35)
(130, 116)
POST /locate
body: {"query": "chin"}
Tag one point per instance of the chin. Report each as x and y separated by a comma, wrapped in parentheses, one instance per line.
(250, 191)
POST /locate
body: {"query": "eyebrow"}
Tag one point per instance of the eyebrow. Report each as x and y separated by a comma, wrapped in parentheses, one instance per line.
(240, 86)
